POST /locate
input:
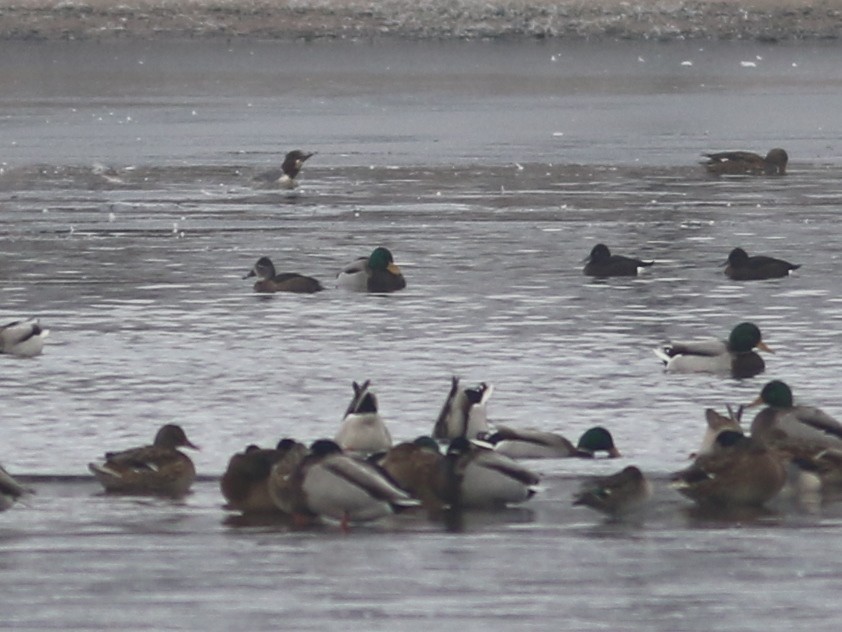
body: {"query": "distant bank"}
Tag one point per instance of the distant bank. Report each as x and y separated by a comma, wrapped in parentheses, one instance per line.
(761, 20)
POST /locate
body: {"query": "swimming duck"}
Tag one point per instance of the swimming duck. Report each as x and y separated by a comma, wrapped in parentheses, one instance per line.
(285, 176)
(269, 281)
(153, 469)
(464, 412)
(735, 356)
(621, 493)
(747, 163)
(376, 273)
(245, 483)
(363, 429)
(738, 471)
(476, 476)
(331, 484)
(527, 443)
(10, 490)
(601, 263)
(23, 338)
(413, 466)
(741, 267)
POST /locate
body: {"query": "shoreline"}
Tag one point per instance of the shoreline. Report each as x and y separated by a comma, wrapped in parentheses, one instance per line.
(660, 20)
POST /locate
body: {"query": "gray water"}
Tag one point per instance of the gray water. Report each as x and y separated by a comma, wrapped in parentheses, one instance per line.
(128, 217)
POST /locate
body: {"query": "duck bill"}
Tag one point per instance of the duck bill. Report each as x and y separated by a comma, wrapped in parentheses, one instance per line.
(192, 445)
(393, 268)
(763, 347)
(250, 274)
(756, 402)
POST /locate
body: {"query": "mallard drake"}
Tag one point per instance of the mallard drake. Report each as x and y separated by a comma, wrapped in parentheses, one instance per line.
(741, 267)
(621, 493)
(269, 281)
(285, 176)
(797, 430)
(376, 273)
(331, 484)
(10, 490)
(735, 356)
(23, 338)
(363, 429)
(476, 476)
(738, 471)
(601, 263)
(153, 469)
(747, 163)
(413, 466)
(464, 412)
(245, 483)
(527, 443)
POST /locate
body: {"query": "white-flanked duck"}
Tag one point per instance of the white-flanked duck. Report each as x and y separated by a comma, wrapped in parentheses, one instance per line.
(363, 430)
(23, 338)
(376, 273)
(464, 412)
(528, 443)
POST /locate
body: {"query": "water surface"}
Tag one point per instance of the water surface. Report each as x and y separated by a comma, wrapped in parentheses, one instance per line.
(128, 217)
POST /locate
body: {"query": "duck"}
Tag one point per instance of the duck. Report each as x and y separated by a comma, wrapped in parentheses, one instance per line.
(475, 476)
(269, 281)
(10, 490)
(412, 465)
(330, 484)
(738, 471)
(601, 263)
(23, 338)
(158, 469)
(797, 430)
(528, 443)
(736, 356)
(464, 412)
(742, 267)
(621, 493)
(285, 177)
(747, 163)
(362, 429)
(245, 483)
(376, 273)
(717, 423)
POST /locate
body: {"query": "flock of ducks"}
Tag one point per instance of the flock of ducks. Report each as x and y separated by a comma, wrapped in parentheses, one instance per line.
(465, 462)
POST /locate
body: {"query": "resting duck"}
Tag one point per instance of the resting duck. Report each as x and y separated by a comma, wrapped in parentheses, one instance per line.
(23, 338)
(413, 466)
(285, 176)
(716, 424)
(735, 356)
(526, 443)
(797, 430)
(738, 471)
(269, 281)
(601, 263)
(158, 469)
(475, 476)
(621, 493)
(747, 163)
(363, 429)
(464, 412)
(741, 267)
(376, 273)
(245, 483)
(10, 490)
(331, 484)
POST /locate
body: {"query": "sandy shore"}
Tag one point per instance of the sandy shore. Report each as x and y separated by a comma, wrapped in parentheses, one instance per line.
(768, 20)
